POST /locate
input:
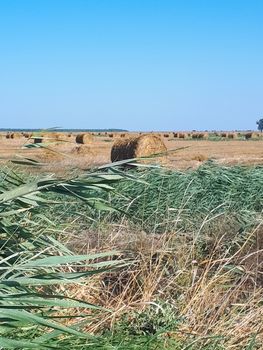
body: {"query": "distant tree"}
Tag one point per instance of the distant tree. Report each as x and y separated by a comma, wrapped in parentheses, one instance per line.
(260, 124)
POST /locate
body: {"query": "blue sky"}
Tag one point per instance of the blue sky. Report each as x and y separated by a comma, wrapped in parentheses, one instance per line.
(132, 64)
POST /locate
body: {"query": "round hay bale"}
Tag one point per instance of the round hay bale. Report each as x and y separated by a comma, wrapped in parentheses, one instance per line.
(135, 147)
(14, 135)
(60, 136)
(53, 136)
(223, 134)
(201, 135)
(84, 138)
(181, 136)
(27, 135)
(166, 135)
(231, 135)
(110, 135)
(8, 135)
(248, 135)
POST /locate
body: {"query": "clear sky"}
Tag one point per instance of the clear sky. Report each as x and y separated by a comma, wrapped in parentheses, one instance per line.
(132, 64)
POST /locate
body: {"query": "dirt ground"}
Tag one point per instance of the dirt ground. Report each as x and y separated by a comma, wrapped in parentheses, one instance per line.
(182, 153)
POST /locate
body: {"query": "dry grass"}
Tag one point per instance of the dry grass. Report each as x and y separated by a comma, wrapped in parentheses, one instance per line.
(219, 294)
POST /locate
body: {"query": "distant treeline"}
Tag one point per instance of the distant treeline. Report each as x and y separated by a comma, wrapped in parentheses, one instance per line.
(66, 130)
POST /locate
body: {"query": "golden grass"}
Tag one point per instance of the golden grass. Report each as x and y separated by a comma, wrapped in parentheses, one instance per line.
(220, 295)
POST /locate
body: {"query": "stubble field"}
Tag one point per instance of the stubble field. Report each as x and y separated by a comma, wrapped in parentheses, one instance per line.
(182, 153)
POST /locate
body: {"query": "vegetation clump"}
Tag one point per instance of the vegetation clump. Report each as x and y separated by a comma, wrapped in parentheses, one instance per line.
(187, 275)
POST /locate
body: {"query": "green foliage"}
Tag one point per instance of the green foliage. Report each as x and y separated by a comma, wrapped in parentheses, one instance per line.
(260, 124)
(34, 265)
(157, 318)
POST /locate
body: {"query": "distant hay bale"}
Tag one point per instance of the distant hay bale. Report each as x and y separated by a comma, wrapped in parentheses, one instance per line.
(57, 136)
(123, 135)
(166, 135)
(135, 147)
(48, 137)
(223, 134)
(181, 136)
(110, 135)
(14, 135)
(231, 135)
(27, 135)
(7, 135)
(52, 136)
(175, 134)
(38, 140)
(84, 138)
(248, 135)
(201, 135)
(117, 135)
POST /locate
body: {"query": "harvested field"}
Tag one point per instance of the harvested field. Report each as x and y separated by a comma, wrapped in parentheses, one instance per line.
(231, 150)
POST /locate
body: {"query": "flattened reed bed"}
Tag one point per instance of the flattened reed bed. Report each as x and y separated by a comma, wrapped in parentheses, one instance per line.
(193, 195)
(171, 200)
